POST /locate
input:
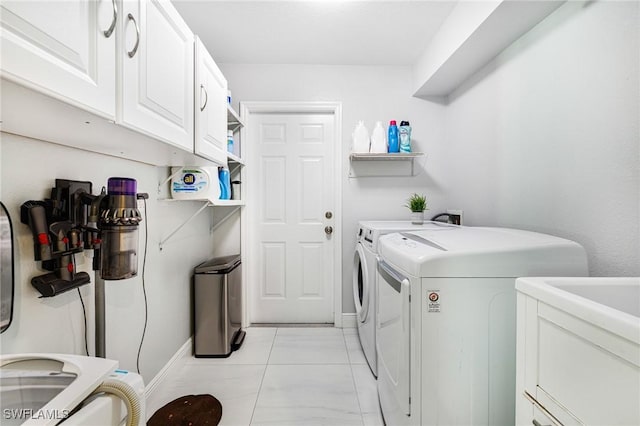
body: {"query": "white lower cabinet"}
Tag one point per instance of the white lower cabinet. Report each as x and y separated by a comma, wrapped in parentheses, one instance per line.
(65, 49)
(156, 57)
(211, 108)
(573, 371)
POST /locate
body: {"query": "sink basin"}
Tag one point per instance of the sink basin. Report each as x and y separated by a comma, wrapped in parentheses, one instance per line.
(610, 303)
(43, 389)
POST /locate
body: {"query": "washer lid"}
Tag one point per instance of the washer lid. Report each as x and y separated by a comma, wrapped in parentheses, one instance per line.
(482, 252)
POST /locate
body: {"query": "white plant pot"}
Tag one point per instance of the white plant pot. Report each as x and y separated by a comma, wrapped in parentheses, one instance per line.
(417, 218)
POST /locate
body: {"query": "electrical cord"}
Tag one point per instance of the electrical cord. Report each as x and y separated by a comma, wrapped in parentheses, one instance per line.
(144, 289)
(84, 311)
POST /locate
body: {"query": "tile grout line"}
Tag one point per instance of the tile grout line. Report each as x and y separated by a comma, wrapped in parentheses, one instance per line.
(264, 373)
(353, 379)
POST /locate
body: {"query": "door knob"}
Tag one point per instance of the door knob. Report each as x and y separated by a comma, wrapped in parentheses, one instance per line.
(328, 230)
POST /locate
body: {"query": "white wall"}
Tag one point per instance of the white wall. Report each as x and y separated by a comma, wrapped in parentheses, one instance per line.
(370, 94)
(547, 137)
(29, 168)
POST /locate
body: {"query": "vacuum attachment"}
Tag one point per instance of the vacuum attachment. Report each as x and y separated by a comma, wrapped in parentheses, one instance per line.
(50, 285)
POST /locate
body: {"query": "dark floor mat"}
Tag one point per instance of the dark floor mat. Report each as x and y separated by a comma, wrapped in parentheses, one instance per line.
(190, 410)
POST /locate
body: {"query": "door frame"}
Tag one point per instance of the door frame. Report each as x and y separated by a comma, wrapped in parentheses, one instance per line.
(247, 239)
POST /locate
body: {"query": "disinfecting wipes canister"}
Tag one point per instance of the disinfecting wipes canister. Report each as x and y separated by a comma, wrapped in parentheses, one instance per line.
(195, 183)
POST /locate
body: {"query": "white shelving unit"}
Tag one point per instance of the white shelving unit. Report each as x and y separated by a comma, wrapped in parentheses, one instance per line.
(235, 164)
(406, 157)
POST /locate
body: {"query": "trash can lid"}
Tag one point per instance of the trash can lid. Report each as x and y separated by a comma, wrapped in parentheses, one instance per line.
(218, 264)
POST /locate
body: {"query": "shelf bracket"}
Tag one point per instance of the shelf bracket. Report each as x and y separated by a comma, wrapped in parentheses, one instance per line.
(163, 242)
(224, 219)
(164, 182)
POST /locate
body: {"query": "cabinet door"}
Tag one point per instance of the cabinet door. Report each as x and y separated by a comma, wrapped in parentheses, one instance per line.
(211, 108)
(156, 58)
(63, 48)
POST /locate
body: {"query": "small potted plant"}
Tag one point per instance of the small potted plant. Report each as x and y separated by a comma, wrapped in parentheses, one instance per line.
(417, 204)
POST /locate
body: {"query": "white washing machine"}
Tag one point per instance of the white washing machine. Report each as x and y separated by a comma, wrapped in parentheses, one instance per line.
(446, 320)
(364, 276)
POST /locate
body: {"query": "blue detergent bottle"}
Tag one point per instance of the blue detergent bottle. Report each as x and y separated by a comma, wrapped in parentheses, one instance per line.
(225, 183)
(394, 145)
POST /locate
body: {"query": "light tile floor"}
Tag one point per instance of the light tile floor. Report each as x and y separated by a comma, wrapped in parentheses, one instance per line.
(283, 376)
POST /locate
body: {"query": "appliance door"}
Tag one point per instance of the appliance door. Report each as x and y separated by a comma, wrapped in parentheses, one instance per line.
(361, 284)
(393, 340)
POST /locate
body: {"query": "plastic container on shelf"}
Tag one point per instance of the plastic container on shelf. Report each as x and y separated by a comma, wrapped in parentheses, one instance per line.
(394, 145)
(225, 183)
(230, 141)
(195, 183)
(405, 136)
(379, 139)
(360, 138)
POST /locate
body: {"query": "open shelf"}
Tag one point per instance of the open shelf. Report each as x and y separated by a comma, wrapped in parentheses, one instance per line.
(400, 164)
(235, 159)
(398, 156)
(234, 122)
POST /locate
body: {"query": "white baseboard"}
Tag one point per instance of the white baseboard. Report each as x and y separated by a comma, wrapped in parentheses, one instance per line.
(349, 321)
(184, 351)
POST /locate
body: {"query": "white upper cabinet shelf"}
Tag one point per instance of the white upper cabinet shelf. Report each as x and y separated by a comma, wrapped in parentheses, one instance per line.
(472, 35)
(233, 119)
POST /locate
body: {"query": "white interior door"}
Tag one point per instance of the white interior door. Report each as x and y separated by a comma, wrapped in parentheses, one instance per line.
(294, 180)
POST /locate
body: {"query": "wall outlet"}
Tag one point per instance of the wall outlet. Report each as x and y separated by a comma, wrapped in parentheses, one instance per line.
(455, 216)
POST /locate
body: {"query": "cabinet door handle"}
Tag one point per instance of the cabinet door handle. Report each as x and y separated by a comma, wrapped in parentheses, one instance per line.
(206, 97)
(135, 48)
(108, 32)
(537, 423)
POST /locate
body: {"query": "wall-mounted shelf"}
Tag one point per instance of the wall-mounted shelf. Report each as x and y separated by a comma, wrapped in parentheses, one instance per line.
(234, 122)
(401, 164)
(398, 156)
(236, 204)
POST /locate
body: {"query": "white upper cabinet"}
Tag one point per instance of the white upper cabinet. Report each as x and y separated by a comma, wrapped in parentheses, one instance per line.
(65, 49)
(156, 58)
(211, 108)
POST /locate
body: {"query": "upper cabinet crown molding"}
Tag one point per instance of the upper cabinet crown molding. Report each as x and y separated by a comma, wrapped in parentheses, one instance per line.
(472, 35)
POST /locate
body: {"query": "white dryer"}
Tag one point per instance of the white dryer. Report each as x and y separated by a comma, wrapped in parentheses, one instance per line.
(364, 276)
(446, 320)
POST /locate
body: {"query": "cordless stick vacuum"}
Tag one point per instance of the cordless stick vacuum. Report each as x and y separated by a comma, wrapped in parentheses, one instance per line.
(73, 220)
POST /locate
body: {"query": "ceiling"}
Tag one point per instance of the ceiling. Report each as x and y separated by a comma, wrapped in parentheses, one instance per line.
(331, 32)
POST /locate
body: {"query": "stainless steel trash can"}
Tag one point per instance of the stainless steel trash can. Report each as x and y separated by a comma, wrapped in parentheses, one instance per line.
(217, 307)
